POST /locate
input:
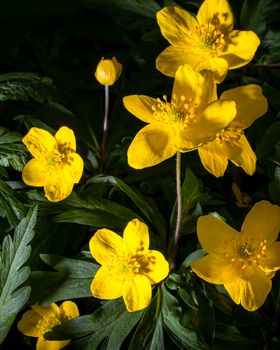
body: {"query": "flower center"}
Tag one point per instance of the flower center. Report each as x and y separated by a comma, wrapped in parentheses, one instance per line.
(208, 36)
(46, 323)
(230, 134)
(245, 251)
(61, 155)
(178, 113)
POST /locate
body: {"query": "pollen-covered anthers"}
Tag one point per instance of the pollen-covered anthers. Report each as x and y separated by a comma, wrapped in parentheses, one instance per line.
(212, 36)
(47, 322)
(246, 252)
(179, 112)
(230, 134)
(61, 155)
(134, 265)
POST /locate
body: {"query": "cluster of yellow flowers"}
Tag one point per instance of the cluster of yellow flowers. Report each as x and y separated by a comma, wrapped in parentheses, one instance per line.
(202, 51)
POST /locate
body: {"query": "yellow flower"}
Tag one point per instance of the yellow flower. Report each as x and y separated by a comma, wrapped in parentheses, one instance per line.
(55, 165)
(108, 71)
(206, 42)
(128, 266)
(245, 261)
(39, 320)
(231, 143)
(183, 124)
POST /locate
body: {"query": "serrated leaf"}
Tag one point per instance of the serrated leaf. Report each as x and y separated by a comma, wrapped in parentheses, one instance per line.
(10, 206)
(149, 209)
(12, 150)
(72, 280)
(14, 255)
(105, 323)
(149, 333)
(172, 313)
(23, 86)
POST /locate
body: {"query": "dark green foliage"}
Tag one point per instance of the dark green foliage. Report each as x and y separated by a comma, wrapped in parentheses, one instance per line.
(48, 54)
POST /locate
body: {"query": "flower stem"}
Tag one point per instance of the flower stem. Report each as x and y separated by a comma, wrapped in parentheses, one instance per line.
(179, 198)
(105, 125)
(179, 211)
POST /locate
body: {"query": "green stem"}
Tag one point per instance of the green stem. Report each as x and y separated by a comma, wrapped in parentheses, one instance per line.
(179, 199)
(105, 126)
(179, 212)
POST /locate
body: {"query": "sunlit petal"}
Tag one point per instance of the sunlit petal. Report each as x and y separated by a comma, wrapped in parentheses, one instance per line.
(215, 270)
(34, 173)
(141, 107)
(136, 237)
(137, 294)
(251, 289)
(263, 221)
(28, 324)
(39, 142)
(69, 309)
(242, 155)
(58, 186)
(152, 145)
(214, 234)
(217, 12)
(250, 103)
(213, 158)
(175, 25)
(65, 138)
(106, 246)
(154, 266)
(240, 48)
(43, 344)
(107, 285)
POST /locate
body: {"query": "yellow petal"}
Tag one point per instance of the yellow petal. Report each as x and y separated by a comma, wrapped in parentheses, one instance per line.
(39, 142)
(213, 158)
(192, 85)
(250, 103)
(105, 246)
(141, 107)
(242, 155)
(34, 173)
(263, 221)
(136, 237)
(217, 12)
(271, 259)
(213, 233)
(156, 267)
(175, 25)
(65, 137)
(74, 170)
(28, 324)
(240, 48)
(251, 289)
(58, 186)
(137, 294)
(216, 116)
(218, 65)
(215, 270)
(43, 344)
(172, 57)
(152, 145)
(106, 285)
(69, 309)
(48, 311)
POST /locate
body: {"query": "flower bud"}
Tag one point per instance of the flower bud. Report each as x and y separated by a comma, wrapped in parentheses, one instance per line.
(108, 71)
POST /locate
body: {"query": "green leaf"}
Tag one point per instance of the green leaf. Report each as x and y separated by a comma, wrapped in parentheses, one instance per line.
(173, 320)
(110, 321)
(148, 208)
(269, 140)
(144, 8)
(72, 280)
(15, 253)
(23, 86)
(12, 150)
(149, 333)
(95, 212)
(253, 15)
(10, 206)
